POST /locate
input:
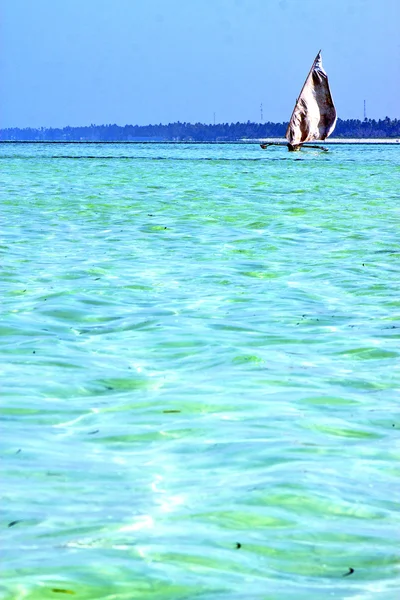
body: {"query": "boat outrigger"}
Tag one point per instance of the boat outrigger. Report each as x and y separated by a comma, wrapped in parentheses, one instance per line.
(314, 115)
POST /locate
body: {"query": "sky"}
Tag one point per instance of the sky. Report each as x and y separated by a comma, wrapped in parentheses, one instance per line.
(78, 62)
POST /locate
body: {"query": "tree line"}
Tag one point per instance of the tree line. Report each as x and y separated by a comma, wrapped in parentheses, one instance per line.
(197, 132)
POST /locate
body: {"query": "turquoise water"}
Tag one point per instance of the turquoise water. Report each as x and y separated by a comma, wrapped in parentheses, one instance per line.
(200, 367)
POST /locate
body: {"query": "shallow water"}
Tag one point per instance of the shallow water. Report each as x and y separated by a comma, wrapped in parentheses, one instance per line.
(200, 366)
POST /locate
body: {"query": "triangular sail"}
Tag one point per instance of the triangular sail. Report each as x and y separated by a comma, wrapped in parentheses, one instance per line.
(314, 115)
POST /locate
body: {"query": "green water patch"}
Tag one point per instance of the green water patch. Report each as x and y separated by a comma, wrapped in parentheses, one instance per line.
(374, 353)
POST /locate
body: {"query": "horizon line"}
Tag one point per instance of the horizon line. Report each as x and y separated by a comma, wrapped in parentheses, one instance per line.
(39, 127)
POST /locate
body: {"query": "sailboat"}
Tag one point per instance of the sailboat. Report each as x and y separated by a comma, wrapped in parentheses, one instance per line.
(314, 115)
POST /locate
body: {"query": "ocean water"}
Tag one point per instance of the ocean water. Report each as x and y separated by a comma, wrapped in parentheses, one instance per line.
(200, 372)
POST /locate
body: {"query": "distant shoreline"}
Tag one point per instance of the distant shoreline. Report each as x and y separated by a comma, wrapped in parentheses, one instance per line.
(333, 141)
(349, 131)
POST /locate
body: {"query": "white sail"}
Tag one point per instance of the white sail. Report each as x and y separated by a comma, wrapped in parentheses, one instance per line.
(314, 115)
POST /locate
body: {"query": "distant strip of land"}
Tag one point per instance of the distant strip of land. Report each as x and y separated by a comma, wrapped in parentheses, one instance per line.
(350, 130)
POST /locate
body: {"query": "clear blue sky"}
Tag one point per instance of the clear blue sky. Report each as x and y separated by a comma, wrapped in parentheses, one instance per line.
(77, 62)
